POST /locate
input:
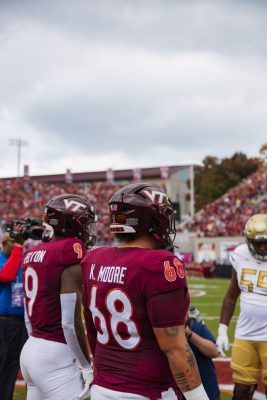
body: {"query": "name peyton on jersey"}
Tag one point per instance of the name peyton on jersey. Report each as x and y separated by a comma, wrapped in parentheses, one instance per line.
(109, 274)
(34, 256)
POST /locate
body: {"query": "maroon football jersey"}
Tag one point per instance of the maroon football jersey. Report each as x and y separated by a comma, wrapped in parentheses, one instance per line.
(127, 291)
(42, 268)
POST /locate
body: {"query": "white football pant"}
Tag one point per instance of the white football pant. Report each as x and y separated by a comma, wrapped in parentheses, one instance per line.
(101, 393)
(50, 371)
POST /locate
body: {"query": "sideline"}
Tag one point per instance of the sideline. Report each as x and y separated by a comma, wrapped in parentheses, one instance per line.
(228, 389)
(20, 382)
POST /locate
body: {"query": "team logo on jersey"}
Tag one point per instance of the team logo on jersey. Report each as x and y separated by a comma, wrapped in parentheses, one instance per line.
(73, 205)
(155, 196)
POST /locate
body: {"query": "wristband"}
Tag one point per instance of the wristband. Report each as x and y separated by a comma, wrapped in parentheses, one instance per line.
(196, 394)
(223, 329)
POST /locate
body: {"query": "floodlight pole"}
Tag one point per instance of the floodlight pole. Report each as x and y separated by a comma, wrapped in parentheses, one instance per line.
(19, 143)
(192, 191)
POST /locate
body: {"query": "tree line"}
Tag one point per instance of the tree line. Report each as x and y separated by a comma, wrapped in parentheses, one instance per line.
(216, 176)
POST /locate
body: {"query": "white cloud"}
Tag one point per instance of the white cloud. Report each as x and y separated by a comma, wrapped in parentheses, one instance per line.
(92, 85)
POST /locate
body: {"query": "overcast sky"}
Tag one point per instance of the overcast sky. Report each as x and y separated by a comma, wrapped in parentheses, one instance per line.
(93, 84)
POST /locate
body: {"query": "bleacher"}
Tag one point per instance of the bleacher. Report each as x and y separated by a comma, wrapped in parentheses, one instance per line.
(227, 215)
(27, 198)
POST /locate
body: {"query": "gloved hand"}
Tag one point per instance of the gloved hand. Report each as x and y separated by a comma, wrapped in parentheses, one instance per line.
(87, 374)
(222, 339)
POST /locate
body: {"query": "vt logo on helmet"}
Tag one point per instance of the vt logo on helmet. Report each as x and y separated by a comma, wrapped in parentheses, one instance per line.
(73, 205)
(155, 196)
(143, 208)
(71, 215)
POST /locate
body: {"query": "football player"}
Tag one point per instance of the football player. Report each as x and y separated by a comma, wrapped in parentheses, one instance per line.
(52, 287)
(249, 281)
(136, 300)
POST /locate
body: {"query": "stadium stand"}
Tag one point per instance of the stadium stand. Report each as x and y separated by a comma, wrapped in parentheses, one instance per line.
(23, 198)
(26, 197)
(228, 215)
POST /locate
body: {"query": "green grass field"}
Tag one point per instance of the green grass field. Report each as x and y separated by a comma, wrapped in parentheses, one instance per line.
(209, 305)
(20, 394)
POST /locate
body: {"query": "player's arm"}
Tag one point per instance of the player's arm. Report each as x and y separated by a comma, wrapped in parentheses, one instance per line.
(162, 309)
(205, 345)
(70, 297)
(89, 323)
(9, 271)
(167, 306)
(173, 343)
(229, 301)
(227, 310)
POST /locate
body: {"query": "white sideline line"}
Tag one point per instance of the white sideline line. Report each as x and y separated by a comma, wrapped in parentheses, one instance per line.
(20, 382)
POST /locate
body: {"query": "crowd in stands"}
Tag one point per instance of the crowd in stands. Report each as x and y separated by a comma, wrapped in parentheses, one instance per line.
(25, 198)
(227, 216)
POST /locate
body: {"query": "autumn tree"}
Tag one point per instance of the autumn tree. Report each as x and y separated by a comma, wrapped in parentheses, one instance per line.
(263, 151)
(216, 176)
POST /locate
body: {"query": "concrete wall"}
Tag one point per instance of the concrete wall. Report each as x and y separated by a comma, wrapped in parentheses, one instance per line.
(206, 248)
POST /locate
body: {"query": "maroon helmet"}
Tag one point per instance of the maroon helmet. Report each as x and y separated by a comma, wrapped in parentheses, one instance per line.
(143, 208)
(71, 215)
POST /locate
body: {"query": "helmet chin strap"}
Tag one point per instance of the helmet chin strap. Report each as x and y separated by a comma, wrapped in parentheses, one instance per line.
(163, 244)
